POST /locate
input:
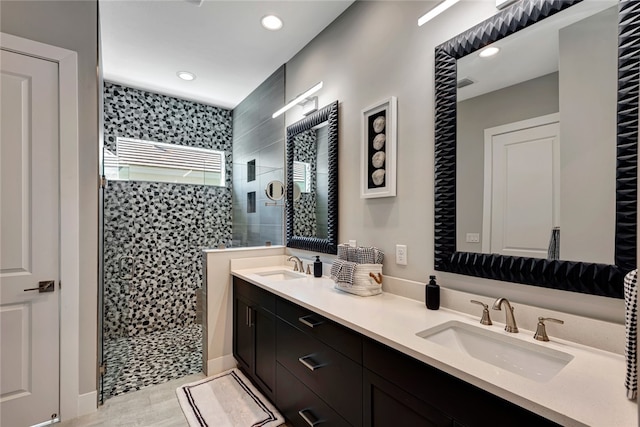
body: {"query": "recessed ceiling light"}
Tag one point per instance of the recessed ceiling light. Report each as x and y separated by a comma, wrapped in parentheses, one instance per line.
(489, 51)
(185, 75)
(271, 22)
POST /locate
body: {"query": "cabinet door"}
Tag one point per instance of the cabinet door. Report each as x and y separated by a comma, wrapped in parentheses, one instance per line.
(264, 324)
(243, 343)
(301, 406)
(386, 405)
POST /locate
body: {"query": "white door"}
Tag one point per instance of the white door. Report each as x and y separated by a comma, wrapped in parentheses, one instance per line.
(29, 251)
(522, 188)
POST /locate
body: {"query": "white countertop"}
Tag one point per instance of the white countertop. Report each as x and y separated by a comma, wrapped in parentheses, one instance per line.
(588, 391)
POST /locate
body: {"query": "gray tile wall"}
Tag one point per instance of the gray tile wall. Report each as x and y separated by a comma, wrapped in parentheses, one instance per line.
(162, 227)
(306, 151)
(257, 136)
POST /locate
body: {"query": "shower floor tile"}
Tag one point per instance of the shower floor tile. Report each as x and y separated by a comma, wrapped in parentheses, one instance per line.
(138, 362)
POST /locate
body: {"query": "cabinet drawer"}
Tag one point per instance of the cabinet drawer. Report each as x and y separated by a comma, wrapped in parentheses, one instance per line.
(300, 406)
(254, 293)
(340, 338)
(331, 375)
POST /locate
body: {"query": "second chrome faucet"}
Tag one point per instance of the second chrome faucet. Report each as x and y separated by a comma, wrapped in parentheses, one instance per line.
(297, 263)
(510, 319)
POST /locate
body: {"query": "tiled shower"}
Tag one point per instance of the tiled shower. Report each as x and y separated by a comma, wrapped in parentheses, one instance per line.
(154, 233)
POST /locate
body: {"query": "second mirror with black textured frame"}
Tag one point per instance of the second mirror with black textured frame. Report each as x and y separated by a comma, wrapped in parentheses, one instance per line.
(312, 182)
(575, 274)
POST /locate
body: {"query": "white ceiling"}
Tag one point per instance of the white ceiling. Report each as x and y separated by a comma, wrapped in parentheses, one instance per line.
(146, 42)
(531, 53)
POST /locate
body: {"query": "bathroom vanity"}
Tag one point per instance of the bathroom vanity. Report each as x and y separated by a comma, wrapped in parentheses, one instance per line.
(322, 355)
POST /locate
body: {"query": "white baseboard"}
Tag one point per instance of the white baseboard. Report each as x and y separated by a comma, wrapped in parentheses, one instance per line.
(87, 403)
(220, 364)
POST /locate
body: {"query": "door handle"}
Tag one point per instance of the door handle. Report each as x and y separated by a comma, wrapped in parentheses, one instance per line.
(132, 266)
(249, 317)
(44, 286)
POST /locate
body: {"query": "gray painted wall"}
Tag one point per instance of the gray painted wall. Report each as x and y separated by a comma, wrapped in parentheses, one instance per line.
(322, 182)
(588, 79)
(73, 25)
(375, 50)
(533, 98)
(257, 136)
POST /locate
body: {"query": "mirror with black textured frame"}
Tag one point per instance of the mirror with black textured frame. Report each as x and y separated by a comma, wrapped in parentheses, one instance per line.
(584, 277)
(327, 240)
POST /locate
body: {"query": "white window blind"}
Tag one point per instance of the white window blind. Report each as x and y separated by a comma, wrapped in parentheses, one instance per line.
(138, 160)
(301, 176)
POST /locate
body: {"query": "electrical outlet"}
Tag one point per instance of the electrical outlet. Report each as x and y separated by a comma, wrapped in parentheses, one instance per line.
(353, 243)
(401, 254)
(473, 237)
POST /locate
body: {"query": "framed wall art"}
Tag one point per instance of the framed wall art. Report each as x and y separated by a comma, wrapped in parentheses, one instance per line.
(378, 158)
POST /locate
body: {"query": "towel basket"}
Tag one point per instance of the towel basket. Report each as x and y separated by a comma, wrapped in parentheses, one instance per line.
(367, 281)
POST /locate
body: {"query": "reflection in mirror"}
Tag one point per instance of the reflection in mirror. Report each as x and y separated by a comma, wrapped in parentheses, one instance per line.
(579, 158)
(312, 170)
(302, 174)
(296, 193)
(536, 140)
(275, 190)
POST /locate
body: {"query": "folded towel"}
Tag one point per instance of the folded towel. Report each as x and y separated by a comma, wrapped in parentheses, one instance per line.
(342, 271)
(347, 252)
(360, 255)
(554, 244)
(631, 327)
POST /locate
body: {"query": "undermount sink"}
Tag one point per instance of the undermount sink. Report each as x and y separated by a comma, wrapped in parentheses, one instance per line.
(280, 275)
(528, 360)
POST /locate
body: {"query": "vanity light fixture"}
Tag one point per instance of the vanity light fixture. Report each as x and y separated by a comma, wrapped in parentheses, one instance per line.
(501, 4)
(271, 22)
(309, 105)
(185, 75)
(299, 99)
(441, 7)
(489, 51)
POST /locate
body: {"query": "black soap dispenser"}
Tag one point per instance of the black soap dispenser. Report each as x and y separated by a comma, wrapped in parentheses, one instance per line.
(432, 294)
(317, 267)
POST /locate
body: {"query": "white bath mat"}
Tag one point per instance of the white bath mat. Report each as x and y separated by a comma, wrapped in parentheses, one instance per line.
(226, 400)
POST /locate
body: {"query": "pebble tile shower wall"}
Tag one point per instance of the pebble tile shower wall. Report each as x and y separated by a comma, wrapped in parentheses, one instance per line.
(153, 237)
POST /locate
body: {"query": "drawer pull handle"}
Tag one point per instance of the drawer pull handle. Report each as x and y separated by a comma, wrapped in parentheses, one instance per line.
(307, 419)
(309, 321)
(311, 364)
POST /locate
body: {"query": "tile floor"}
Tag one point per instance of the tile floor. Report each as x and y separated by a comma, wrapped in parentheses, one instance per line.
(138, 362)
(155, 406)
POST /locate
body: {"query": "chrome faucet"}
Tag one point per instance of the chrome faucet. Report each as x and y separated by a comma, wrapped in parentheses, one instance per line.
(486, 318)
(297, 264)
(541, 330)
(511, 321)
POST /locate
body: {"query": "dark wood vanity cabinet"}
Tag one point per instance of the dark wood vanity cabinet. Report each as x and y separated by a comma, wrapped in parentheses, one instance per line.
(386, 404)
(324, 358)
(319, 372)
(400, 383)
(254, 334)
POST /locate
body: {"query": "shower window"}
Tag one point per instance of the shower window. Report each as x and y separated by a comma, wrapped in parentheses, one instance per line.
(138, 160)
(302, 176)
